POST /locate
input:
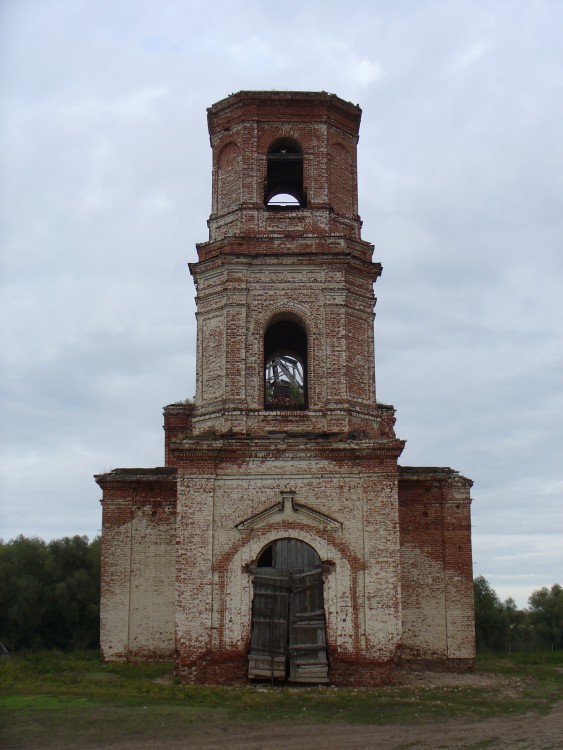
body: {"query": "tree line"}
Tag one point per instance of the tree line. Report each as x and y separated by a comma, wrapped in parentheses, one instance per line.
(50, 599)
(501, 626)
(50, 593)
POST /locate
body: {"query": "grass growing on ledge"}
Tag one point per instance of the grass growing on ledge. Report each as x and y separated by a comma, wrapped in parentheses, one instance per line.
(58, 697)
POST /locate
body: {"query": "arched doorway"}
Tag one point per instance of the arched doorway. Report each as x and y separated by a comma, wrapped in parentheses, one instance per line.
(288, 640)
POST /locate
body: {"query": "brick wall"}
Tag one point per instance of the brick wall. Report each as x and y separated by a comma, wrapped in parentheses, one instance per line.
(138, 564)
(177, 422)
(436, 567)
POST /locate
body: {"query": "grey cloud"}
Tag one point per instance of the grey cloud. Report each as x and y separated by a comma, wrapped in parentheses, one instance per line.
(108, 188)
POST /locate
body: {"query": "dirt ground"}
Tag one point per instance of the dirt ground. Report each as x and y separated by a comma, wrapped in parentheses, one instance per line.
(524, 732)
(527, 732)
(530, 731)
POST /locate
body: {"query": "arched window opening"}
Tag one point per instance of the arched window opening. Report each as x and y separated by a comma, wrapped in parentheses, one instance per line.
(285, 367)
(289, 555)
(284, 180)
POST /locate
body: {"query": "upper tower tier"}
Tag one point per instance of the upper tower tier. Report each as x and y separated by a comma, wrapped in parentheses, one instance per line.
(284, 163)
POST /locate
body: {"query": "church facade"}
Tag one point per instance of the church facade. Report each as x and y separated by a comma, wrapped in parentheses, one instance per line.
(281, 539)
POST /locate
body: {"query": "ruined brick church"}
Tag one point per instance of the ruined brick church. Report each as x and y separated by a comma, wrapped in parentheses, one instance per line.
(281, 539)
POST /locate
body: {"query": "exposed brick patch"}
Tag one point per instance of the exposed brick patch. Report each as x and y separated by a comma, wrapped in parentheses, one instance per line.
(439, 665)
(347, 671)
(177, 421)
(214, 668)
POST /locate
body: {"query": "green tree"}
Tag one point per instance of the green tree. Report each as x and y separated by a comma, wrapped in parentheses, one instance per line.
(75, 575)
(24, 592)
(546, 616)
(491, 622)
(49, 593)
(518, 633)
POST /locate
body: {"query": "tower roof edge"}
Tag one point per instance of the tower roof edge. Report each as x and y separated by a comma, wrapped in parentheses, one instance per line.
(267, 105)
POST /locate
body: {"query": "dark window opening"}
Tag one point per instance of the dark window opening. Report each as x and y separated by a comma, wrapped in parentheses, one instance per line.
(285, 367)
(284, 180)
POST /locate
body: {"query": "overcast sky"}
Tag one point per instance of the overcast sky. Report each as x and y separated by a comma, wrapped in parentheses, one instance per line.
(105, 190)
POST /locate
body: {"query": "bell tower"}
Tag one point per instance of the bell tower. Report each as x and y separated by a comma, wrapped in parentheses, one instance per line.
(291, 466)
(285, 282)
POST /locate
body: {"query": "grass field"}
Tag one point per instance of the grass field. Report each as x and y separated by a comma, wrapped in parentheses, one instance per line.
(49, 698)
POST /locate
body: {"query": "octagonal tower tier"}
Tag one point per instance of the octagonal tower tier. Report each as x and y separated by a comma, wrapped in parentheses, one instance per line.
(285, 282)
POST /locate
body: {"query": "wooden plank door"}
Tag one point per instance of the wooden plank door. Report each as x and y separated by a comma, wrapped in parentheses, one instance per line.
(288, 637)
(270, 611)
(307, 638)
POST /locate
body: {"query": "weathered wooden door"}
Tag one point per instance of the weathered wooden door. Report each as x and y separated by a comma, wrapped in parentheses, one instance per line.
(270, 608)
(288, 624)
(307, 642)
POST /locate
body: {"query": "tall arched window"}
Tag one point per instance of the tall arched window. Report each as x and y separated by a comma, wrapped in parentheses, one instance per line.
(285, 365)
(284, 180)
